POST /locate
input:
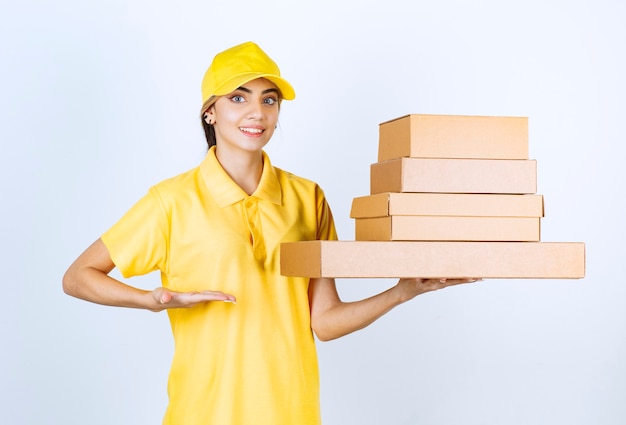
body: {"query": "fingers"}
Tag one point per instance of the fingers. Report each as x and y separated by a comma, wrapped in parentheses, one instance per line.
(410, 287)
(189, 299)
(431, 284)
(173, 299)
(214, 296)
(449, 282)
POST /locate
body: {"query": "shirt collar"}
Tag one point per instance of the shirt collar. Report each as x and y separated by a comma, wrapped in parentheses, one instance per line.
(226, 192)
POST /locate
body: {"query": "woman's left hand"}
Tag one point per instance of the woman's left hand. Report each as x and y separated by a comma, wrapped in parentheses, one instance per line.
(411, 287)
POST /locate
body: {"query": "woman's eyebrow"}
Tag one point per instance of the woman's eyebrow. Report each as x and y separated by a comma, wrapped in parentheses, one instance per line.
(270, 90)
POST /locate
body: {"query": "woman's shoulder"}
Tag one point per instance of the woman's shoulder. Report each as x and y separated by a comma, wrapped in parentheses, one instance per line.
(294, 179)
(298, 186)
(178, 184)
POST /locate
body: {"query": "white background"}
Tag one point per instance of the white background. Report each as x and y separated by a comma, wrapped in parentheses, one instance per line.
(99, 100)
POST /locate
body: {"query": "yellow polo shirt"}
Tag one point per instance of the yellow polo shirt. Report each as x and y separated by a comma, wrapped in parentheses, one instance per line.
(250, 363)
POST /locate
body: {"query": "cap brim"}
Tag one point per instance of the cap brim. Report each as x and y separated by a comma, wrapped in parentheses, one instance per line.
(286, 90)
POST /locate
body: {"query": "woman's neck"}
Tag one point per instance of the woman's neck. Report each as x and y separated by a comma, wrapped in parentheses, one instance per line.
(245, 168)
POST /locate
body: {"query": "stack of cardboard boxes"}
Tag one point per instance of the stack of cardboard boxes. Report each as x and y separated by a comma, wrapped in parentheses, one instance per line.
(450, 196)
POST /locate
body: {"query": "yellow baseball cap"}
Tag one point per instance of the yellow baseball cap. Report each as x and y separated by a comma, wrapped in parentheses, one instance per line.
(234, 67)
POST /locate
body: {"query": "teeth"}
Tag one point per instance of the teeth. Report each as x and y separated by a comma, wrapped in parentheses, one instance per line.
(251, 130)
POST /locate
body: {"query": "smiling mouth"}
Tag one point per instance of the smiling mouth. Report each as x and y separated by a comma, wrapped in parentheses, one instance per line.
(251, 130)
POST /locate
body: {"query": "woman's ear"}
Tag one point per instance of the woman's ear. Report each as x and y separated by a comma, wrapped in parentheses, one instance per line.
(209, 115)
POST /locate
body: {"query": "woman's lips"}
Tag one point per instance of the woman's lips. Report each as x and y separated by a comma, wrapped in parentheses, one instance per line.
(252, 131)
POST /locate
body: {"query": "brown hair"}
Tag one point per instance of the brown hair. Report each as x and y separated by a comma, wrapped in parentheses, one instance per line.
(209, 133)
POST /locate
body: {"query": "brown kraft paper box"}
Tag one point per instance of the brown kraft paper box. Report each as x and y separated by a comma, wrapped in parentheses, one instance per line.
(454, 176)
(453, 136)
(496, 260)
(443, 228)
(447, 204)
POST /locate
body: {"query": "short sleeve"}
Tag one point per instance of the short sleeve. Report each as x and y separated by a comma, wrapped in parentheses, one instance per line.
(325, 223)
(137, 243)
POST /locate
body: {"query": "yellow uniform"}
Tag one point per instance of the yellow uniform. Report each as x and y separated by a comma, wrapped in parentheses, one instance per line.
(250, 363)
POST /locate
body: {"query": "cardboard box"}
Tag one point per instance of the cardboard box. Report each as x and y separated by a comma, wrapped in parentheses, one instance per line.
(502, 260)
(447, 204)
(444, 228)
(452, 136)
(454, 176)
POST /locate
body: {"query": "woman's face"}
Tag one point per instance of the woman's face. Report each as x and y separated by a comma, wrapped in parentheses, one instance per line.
(246, 118)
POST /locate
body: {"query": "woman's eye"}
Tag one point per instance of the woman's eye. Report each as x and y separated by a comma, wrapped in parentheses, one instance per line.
(270, 100)
(237, 98)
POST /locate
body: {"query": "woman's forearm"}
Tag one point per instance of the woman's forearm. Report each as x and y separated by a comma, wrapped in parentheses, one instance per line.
(331, 318)
(343, 318)
(91, 284)
(88, 279)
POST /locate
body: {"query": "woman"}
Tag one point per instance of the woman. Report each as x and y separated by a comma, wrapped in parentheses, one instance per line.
(244, 350)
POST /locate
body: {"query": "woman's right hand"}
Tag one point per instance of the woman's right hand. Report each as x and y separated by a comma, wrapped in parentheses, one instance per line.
(166, 298)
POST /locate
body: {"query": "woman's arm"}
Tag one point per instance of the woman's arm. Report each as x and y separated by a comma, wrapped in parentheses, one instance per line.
(88, 279)
(332, 318)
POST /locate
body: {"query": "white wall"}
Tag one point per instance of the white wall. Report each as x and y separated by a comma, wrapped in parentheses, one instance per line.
(100, 99)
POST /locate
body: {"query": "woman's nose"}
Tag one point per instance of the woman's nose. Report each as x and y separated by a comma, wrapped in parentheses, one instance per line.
(255, 111)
